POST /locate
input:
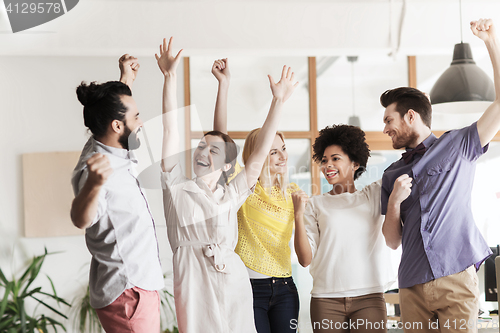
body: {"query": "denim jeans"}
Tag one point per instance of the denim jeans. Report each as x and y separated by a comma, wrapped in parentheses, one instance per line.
(275, 305)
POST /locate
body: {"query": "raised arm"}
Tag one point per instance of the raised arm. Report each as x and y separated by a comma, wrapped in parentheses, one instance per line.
(129, 67)
(281, 92)
(392, 227)
(489, 123)
(168, 66)
(220, 70)
(85, 204)
(301, 243)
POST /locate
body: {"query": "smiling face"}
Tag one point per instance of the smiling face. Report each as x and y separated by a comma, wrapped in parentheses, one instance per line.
(398, 128)
(210, 156)
(338, 168)
(278, 157)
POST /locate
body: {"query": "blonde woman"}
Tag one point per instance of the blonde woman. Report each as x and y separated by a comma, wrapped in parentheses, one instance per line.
(265, 223)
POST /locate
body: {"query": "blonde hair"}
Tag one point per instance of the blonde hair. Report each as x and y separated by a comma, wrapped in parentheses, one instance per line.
(265, 175)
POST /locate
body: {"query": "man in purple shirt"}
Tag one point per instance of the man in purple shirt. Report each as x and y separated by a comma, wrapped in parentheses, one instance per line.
(426, 202)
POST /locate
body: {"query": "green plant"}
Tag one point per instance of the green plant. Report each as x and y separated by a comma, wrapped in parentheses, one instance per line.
(13, 316)
(167, 310)
(86, 319)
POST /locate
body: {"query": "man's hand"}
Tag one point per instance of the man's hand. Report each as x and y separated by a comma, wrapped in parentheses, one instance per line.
(129, 67)
(220, 70)
(99, 170)
(285, 86)
(84, 207)
(401, 190)
(484, 29)
(299, 199)
(166, 61)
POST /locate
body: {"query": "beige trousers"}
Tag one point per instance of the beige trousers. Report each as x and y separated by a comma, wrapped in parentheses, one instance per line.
(366, 314)
(447, 304)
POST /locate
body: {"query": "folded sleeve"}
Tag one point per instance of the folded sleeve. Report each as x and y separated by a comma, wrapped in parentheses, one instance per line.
(239, 186)
(173, 177)
(101, 204)
(312, 227)
(470, 144)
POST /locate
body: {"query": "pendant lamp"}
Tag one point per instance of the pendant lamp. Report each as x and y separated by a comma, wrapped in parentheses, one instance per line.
(463, 81)
(353, 120)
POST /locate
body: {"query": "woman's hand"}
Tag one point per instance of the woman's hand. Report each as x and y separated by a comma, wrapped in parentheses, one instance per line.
(220, 70)
(484, 29)
(166, 61)
(299, 199)
(285, 86)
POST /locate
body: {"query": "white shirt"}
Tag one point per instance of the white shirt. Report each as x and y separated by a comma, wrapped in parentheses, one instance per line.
(122, 237)
(350, 257)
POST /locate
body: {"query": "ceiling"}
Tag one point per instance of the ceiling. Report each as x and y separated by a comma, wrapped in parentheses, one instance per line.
(253, 27)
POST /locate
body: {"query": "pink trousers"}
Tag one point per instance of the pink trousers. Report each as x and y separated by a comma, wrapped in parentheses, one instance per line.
(135, 310)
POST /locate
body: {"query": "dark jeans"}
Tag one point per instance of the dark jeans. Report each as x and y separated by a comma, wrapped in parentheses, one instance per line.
(275, 305)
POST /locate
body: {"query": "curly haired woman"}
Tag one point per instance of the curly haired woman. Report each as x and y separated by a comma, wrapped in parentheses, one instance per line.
(339, 234)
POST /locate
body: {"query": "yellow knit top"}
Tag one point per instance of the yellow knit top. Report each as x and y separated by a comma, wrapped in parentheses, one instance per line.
(265, 224)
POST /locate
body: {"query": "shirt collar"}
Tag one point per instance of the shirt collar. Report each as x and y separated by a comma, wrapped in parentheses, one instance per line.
(118, 152)
(428, 142)
(202, 187)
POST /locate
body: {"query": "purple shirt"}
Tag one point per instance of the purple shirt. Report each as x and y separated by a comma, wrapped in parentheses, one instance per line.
(440, 236)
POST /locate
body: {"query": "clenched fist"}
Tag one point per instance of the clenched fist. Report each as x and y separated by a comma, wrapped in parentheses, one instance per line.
(99, 169)
(299, 199)
(401, 190)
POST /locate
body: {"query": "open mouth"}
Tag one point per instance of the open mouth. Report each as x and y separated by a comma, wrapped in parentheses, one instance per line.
(281, 164)
(202, 163)
(331, 174)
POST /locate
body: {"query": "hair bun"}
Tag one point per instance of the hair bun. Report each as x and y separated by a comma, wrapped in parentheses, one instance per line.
(87, 93)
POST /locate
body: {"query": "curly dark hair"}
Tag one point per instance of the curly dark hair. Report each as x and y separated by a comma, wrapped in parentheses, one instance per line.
(350, 138)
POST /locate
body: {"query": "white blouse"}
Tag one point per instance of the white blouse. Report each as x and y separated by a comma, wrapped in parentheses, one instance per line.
(350, 257)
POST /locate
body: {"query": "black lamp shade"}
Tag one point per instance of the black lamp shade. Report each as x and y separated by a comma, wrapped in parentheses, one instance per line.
(354, 121)
(463, 81)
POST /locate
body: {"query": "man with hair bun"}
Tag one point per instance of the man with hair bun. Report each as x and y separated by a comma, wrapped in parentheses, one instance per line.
(125, 272)
(426, 200)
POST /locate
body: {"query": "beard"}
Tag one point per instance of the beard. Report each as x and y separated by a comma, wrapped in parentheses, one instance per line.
(405, 138)
(129, 140)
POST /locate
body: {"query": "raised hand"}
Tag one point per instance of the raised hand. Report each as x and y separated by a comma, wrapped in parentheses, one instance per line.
(166, 61)
(299, 199)
(401, 190)
(99, 169)
(220, 70)
(484, 29)
(129, 67)
(285, 86)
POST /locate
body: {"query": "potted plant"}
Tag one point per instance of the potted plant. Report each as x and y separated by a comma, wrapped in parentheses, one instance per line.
(13, 316)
